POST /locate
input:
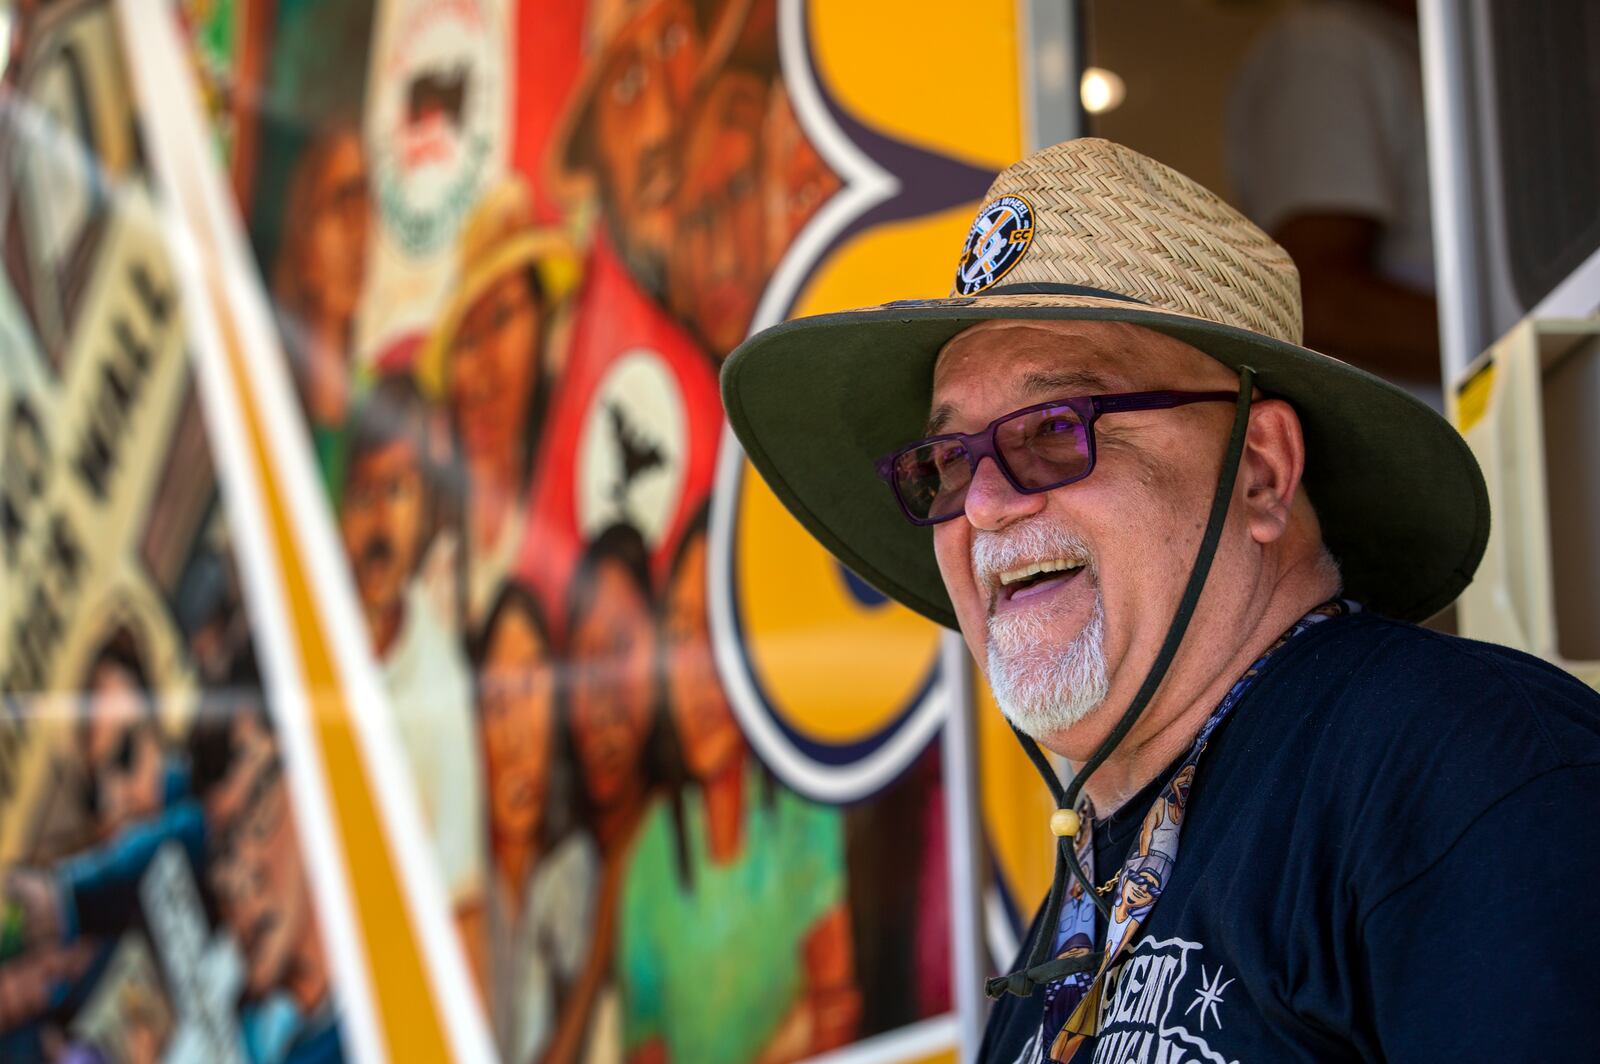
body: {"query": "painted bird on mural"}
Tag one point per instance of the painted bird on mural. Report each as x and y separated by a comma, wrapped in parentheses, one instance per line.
(636, 453)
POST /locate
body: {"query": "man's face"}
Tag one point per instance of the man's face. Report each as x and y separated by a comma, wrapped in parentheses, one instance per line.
(706, 729)
(256, 868)
(336, 231)
(382, 522)
(640, 97)
(613, 658)
(494, 360)
(719, 263)
(124, 758)
(1056, 646)
(516, 704)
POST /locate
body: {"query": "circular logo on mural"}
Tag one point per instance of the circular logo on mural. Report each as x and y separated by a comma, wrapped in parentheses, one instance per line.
(438, 108)
(632, 448)
(999, 237)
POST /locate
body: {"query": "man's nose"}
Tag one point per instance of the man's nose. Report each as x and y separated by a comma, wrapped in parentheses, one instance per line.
(992, 503)
(656, 109)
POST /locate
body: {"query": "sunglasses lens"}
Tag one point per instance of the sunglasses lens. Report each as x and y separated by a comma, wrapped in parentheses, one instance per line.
(1041, 449)
(1044, 448)
(932, 479)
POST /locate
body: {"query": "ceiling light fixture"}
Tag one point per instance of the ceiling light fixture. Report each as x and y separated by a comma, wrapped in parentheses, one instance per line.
(1101, 90)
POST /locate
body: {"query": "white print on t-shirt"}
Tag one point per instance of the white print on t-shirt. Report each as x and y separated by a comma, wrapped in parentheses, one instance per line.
(1209, 996)
(1157, 1002)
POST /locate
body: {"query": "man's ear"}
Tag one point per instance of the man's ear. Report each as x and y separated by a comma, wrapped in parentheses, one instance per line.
(1270, 468)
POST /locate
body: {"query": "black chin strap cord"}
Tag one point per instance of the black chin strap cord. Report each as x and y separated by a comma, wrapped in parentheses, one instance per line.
(1040, 971)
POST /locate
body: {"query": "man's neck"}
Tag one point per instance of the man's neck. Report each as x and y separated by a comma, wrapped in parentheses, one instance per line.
(514, 858)
(384, 625)
(1186, 699)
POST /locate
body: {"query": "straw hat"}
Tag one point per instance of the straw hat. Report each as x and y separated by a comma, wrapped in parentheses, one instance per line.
(1091, 230)
(499, 237)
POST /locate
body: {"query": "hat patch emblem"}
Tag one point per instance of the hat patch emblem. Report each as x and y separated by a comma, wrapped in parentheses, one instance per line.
(999, 237)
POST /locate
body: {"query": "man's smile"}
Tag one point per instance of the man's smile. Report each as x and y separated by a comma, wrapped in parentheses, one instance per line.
(1037, 578)
(1030, 568)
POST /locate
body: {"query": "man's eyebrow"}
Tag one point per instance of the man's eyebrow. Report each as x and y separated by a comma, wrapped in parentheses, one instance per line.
(1053, 384)
(1062, 383)
(939, 419)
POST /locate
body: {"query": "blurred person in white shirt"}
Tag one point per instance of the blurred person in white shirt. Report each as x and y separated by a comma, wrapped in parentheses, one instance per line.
(1327, 151)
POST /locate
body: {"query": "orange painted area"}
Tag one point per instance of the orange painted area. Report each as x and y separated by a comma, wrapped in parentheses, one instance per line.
(408, 1016)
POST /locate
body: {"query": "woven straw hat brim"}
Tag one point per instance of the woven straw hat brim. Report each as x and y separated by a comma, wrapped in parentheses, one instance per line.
(816, 401)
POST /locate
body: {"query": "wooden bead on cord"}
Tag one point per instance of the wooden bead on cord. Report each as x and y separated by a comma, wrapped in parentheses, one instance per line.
(1064, 823)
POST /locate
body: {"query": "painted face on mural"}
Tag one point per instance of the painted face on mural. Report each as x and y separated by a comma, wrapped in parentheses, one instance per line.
(707, 731)
(719, 258)
(613, 697)
(516, 708)
(382, 523)
(641, 97)
(796, 180)
(124, 761)
(495, 361)
(339, 215)
(257, 870)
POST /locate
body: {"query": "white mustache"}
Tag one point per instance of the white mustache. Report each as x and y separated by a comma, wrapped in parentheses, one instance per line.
(994, 553)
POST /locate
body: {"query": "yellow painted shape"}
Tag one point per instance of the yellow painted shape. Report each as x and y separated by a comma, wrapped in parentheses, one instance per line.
(1014, 806)
(940, 74)
(839, 671)
(1472, 399)
(797, 610)
(914, 259)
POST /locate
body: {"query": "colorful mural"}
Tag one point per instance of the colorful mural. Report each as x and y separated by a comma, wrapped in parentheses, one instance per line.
(670, 772)
(156, 895)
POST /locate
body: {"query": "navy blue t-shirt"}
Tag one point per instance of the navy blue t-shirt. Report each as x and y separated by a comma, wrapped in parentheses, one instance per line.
(1391, 851)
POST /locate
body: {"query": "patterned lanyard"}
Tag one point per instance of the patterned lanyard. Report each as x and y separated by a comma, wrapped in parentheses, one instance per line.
(1072, 1005)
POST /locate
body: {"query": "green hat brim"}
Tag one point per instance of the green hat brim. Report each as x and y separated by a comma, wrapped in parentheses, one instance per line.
(816, 401)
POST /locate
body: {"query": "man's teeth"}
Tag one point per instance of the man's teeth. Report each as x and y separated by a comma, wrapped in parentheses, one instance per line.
(1054, 565)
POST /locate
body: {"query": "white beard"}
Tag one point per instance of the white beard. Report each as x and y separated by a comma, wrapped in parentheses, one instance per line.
(1042, 687)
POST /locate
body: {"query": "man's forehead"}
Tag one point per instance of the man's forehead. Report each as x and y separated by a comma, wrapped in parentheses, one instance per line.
(1023, 358)
(1006, 363)
(1104, 348)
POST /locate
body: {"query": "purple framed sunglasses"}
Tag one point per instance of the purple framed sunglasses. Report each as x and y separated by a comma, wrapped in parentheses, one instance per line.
(1036, 449)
